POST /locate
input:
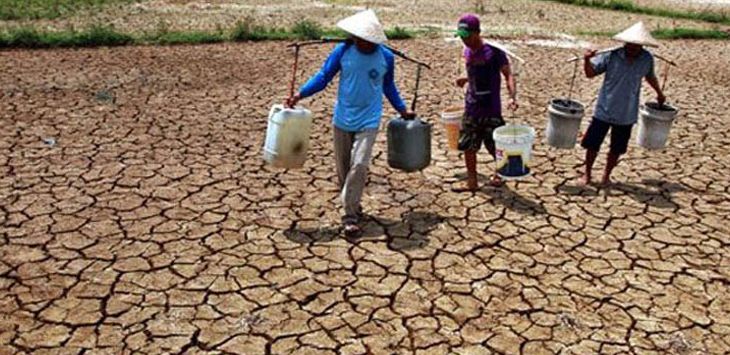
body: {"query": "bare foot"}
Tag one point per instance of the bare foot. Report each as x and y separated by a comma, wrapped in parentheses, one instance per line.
(585, 180)
(496, 181)
(465, 186)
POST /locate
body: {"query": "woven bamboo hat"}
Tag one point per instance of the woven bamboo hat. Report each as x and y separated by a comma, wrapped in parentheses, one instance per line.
(364, 25)
(637, 34)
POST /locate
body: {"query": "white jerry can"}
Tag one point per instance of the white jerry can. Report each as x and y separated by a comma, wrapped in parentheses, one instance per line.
(287, 136)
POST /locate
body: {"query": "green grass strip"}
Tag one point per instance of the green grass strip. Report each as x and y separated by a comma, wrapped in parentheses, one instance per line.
(628, 6)
(303, 30)
(32, 38)
(690, 33)
(672, 33)
(596, 33)
(28, 37)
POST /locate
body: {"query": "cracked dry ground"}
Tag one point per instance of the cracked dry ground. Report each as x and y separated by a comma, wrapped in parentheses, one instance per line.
(153, 225)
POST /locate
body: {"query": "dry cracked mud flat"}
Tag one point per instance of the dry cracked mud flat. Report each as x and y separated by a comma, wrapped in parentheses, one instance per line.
(498, 16)
(136, 215)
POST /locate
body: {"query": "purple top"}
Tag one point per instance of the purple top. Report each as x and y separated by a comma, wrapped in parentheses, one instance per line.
(483, 68)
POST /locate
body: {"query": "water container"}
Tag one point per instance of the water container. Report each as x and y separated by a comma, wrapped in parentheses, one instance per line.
(564, 118)
(287, 137)
(655, 121)
(513, 150)
(409, 144)
(451, 119)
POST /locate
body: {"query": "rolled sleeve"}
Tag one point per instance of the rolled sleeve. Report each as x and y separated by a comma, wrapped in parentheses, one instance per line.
(600, 62)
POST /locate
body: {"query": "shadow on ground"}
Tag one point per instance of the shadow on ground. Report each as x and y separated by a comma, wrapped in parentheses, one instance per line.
(656, 193)
(409, 233)
(504, 196)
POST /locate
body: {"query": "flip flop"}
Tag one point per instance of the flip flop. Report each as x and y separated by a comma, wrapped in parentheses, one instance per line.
(352, 230)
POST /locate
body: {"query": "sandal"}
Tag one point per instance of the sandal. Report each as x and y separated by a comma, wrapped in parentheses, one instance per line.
(352, 230)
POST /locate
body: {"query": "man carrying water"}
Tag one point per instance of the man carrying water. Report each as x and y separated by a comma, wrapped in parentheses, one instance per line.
(618, 100)
(483, 106)
(366, 73)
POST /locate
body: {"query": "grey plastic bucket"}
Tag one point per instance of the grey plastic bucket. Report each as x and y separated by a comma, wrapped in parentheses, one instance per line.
(564, 116)
(655, 122)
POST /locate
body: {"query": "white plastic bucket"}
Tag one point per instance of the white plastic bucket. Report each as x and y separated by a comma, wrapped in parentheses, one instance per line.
(287, 137)
(564, 118)
(655, 122)
(513, 150)
(451, 119)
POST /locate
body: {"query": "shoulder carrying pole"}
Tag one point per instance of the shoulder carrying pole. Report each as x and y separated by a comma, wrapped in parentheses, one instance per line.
(339, 40)
(298, 45)
(612, 48)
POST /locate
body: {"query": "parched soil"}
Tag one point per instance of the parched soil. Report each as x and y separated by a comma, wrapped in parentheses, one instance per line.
(138, 215)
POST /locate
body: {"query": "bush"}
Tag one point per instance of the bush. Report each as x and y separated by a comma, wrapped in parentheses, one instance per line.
(399, 33)
(307, 29)
(25, 37)
(690, 33)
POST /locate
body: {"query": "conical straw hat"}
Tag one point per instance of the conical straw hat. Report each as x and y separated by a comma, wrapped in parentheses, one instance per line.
(364, 25)
(637, 34)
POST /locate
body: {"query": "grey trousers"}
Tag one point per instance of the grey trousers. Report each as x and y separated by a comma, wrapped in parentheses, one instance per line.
(352, 156)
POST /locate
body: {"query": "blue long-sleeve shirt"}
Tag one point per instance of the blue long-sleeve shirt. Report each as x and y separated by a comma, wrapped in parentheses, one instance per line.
(364, 78)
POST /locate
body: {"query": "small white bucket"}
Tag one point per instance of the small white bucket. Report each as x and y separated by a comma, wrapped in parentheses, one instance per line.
(564, 118)
(513, 150)
(655, 122)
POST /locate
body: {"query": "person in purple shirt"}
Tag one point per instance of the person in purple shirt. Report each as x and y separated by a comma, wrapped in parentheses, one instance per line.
(483, 105)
